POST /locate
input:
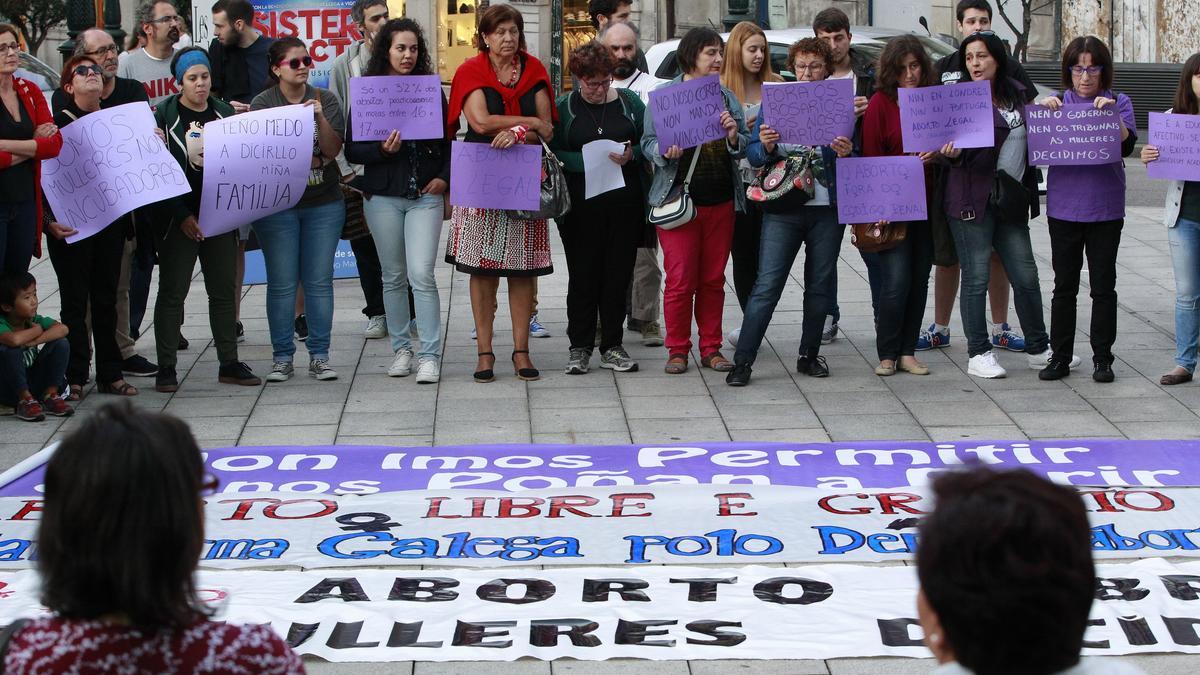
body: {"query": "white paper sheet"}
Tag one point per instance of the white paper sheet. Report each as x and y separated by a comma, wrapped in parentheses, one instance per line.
(601, 174)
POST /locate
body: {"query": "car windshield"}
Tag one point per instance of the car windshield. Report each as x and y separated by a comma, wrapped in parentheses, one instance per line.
(37, 72)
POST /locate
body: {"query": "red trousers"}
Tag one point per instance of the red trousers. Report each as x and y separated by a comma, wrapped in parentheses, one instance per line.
(694, 258)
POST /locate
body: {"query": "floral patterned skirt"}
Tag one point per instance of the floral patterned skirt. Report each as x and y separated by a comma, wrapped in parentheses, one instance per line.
(491, 242)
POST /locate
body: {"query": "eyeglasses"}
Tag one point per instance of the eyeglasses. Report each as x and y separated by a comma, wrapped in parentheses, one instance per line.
(1092, 71)
(102, 51)
(598, 84)
(810, 67)
(84, 71)
(10, 47)
(165, 19)
(294, 64)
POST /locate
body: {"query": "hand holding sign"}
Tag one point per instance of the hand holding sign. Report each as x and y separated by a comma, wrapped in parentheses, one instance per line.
(110, 164)
(1073, 134)
(931, 117)
(810, 113)
(688, 114)
(410, 104)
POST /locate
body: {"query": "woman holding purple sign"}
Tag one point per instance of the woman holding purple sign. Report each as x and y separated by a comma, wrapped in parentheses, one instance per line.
(507, 98)
(178, 238)
(903, 269)
(991, 193)
(1182, 217)
(404, 182)
(1085, 206)
(694, 254)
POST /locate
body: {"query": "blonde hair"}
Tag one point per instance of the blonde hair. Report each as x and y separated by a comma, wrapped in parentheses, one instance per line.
(733, 70)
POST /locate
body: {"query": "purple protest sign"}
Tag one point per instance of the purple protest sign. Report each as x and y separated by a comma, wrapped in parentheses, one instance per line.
(810, 113)
(688, 114)
(490, 178)
(410, 104)
(1177, 138)
(255, 164)
(871, 189)
(1075, 134)
(111, 163)
(347, 469)
(931, 117)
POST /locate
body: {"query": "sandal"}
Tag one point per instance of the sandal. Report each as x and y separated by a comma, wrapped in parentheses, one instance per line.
(486, 375)
(677, 364)
(124, 389)
(75, 392)
(717, 361)
(527, 374)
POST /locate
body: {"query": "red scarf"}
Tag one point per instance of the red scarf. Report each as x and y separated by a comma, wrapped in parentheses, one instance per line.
(476, 73)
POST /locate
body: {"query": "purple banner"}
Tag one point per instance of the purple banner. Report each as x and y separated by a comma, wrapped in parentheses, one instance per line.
(871, 189)
(488, 178)
(409, 104)
(1177, 138)
(349, 469)
(810, 113)
(931, 117)
(255, 164)
(1075, 134)
(110, 164)
(688, 114)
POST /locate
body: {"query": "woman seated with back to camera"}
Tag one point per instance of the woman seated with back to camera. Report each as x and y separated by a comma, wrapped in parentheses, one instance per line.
(118, 580)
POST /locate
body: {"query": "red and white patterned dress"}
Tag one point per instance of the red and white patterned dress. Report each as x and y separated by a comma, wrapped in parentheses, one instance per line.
(491, 242)
(53, 645)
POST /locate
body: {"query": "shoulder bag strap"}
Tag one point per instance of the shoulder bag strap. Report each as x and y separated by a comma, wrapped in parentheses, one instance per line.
(691, 169)
(6, 637)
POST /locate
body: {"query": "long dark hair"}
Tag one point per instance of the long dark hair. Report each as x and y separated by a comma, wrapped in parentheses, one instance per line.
(1185, 96)
(380, 63)
(891, 63)
(1003, 90)
(123, 522)
(276, 52)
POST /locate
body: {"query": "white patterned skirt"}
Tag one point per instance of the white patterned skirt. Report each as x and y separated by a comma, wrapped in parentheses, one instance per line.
(490, 242)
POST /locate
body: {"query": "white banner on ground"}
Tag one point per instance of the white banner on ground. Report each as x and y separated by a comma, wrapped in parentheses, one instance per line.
(646, 525)
(658, 613)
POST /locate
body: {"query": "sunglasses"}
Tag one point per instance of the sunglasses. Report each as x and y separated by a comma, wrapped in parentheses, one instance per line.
(294, 64)
(84, 71)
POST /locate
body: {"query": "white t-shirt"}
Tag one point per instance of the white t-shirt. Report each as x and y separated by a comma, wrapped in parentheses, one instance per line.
(154, 74)
(640, 82)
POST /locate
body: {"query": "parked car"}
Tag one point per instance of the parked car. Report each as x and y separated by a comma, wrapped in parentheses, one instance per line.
(39, 73)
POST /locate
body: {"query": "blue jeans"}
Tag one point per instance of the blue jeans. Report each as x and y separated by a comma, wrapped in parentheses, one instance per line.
(874, 280)
(904, 288)
(17, 235)
(1184, 240)
(48, 370)
(816, 228)
(974, 241)
(407, 233)
(298, 246)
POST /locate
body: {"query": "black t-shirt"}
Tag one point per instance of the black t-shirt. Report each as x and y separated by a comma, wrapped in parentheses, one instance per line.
(1189, 205)
(124, 91)
(617, 127)
(193, 133)
(16, 182)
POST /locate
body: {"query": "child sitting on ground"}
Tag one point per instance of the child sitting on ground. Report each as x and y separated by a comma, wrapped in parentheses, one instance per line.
(33, 352)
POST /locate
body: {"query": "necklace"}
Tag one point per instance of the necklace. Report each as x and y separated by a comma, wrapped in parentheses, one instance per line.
(603, 111)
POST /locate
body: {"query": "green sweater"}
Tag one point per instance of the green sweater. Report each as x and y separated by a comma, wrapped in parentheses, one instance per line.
(166, 115)
(572, 160)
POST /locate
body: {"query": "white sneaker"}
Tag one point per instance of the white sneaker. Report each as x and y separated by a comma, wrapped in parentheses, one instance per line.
(1040, 361)
(429, 371)
(401, 363)
(733, 336)
(281, 371)
(376, 328)
(830, 331)
(985, 365)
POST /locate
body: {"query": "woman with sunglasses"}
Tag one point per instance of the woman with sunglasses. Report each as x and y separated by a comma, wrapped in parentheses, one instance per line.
(88, 270)
(179, 241)
(298, 244)
(27, 136)
(600, 235)
(119, 581)
(1085, 206)
(1182, 218)
(991, 193)
(405, 182)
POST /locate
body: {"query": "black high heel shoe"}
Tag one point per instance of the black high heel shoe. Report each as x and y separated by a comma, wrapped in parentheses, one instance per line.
(527, 374)
(486, 375)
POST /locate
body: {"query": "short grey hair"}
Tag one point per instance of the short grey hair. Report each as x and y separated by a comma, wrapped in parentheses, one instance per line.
(637, 34)
(145, 11)
(358, 11)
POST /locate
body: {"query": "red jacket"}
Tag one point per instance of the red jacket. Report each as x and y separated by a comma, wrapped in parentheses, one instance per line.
(48, 147)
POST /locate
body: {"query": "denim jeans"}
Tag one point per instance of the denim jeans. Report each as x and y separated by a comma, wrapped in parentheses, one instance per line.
(1184, 240)
(904, 288)
(974, 241)
(17, 234)
(816, 228)
(407, 233)
(49, 370)
(298, 246)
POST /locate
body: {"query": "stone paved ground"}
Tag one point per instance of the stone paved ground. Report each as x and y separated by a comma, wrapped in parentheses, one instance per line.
(365, 406)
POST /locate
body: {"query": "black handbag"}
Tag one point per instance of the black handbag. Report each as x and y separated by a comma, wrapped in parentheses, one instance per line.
(1010, 198)
(555, 200)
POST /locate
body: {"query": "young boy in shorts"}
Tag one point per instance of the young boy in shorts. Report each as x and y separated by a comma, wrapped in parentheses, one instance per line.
(33, 352)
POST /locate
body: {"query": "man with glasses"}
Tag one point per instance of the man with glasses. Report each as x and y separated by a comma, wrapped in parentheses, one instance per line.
(151, 65)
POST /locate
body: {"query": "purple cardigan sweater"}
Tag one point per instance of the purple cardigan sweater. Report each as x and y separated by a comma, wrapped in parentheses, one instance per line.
(1095, 193)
